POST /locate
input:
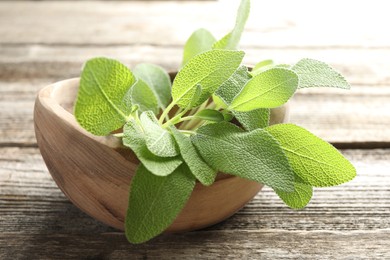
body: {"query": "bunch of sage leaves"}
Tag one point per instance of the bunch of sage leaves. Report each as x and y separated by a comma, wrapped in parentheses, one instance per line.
(182, 132)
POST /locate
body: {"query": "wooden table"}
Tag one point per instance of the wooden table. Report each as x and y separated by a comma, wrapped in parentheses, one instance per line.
(46, 41)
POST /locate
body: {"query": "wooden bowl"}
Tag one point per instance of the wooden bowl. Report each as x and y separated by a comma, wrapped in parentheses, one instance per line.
(95, 172)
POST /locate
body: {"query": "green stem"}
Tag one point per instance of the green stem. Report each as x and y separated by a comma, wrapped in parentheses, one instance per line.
(193, 112)
(186, 118)
(187, 132)
(119, 135)
(166, 111)
(175, 120)
(178, 111)
(191, 124)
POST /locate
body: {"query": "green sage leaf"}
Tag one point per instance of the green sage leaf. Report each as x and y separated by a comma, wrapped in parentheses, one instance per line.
(134, 138)
(314, 73)
(300, 197)
(210, 115)
(140, 94)
(158, 81)
(315, 161)
(232, 39)
(155, 202)
(209, 69)
(251, 120)
(200, 41)
(253, 155)
(99, 107)
(201, 170)
(218, 102)
(231, 87)
(262, 66)
(158, 140)
(269, 89)
(223, 42)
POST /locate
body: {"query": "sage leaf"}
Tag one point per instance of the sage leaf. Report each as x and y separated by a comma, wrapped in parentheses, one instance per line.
(218, 102)
(195, 97)
(300, 197)
(262, 66)
(232, 86)
(158, 81)
(252, 155)
(210, 115)
(315, 161)
(200, 41)
(158, 140)
(223, 42)
(155, 202)
(269, 89)
(227, 115)
(209, 69)
(201, 170)
(232, 39)
(134, 138)
(99, 107)
(314, 73)
(251, 120)
(140, 94)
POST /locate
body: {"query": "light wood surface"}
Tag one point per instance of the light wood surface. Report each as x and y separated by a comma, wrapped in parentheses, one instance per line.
(43, 42)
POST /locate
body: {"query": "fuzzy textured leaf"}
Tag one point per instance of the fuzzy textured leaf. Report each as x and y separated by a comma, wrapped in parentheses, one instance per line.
(231, 87)
(134, 138)
(315, 161)
(140, 94)
(314, 73)
(99, 107)
(269, 89)
(158, 140)
(299, 198)
(155, 202)
(251, 120)
(231, 40)
(253, 155)
(158, 81)
(200, 41)
(201, 170)
(209, 69)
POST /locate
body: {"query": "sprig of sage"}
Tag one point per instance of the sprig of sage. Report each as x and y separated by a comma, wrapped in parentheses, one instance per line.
(214, 117)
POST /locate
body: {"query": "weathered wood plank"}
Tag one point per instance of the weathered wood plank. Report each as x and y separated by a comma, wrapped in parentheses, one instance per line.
(349, 221)
(278, 23)
(361, 67)
(201, 245)
(339, 116)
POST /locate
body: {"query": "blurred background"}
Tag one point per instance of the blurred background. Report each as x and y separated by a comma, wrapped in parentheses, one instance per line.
(42, 42)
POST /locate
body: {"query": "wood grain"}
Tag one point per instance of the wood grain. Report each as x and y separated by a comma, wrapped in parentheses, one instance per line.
(298, 24)
(58, 62)
(360, 115)
(203, 245)
(43, 42)
(339, 221)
